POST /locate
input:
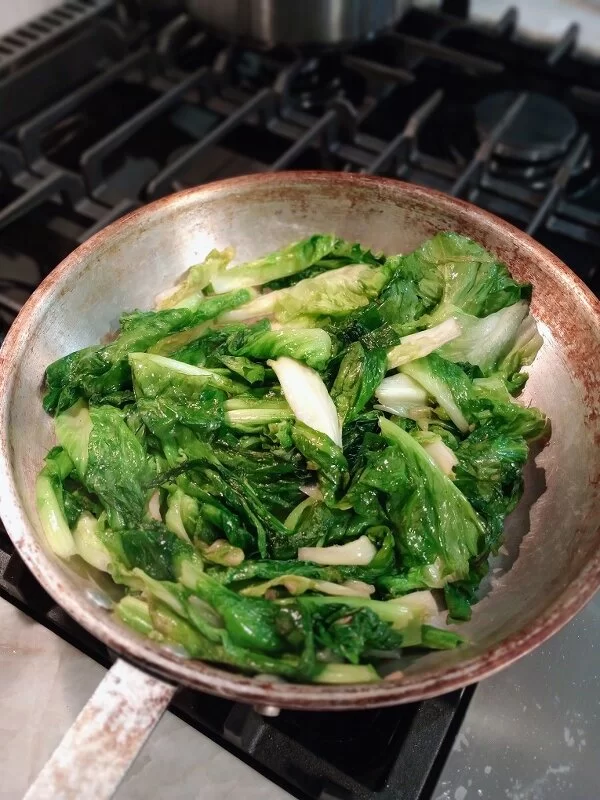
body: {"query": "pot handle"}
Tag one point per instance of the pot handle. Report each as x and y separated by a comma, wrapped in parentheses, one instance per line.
(98, 749)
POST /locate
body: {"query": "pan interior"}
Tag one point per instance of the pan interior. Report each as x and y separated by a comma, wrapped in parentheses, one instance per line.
(552, 536)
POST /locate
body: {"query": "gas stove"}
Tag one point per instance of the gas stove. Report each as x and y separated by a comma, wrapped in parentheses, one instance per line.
(104, 107)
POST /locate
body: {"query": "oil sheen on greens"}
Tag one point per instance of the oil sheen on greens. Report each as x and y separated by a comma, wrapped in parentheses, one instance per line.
(299, 466)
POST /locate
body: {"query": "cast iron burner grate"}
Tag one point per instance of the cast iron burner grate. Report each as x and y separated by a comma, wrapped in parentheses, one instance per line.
(105, 106)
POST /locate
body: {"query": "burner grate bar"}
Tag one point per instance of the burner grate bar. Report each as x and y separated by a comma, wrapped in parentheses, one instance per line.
(511, 192)
(507, 24)
(405, 137)
(441, 52)
(11, 161)
(61, 183)
(119, 210)
(373, 69)
(565, 45)
(161, 184)
(414, 759)
(486, 148)
(8, 304)
(371, 144)
(26, 286)
(170, 39)
(30, 133)
(502, 206)
(318, 130)
(591, 96)
(578, 233)
(559, 183)
(27, 90)
(579, 214)
(290, 127)
(434, 166)
(93, 158)
(355, 157)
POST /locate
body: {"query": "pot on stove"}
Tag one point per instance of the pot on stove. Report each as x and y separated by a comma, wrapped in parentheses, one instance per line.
(320, 23)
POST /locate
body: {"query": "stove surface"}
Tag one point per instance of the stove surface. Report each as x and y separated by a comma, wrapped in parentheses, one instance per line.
(105, 106)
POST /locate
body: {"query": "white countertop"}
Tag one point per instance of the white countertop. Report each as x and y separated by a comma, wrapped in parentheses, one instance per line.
(531, 732)
(14, 12)
(46, 683)
(546, 19)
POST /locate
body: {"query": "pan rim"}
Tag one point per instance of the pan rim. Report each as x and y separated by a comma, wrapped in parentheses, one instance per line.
(200, 675)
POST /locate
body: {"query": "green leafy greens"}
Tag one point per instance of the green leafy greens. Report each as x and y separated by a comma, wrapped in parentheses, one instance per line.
(265, 495)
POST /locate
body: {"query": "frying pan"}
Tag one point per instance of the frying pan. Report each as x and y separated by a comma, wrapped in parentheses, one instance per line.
(553, 539)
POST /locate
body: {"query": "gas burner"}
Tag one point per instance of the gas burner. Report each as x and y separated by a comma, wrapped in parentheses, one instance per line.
(317, 82)
(532, 148)
(320, 80)
(252, 71)
(542, 130)
(538, 176)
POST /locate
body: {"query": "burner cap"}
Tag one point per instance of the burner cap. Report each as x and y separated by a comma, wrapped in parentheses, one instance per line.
(542, 130)
(317, 82)
(539, 175)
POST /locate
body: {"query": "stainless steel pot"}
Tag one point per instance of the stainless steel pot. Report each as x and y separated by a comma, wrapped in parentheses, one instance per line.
(554, 535)
(325, 23)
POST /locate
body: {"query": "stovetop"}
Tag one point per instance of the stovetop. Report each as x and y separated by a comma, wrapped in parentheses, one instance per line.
(104, 107)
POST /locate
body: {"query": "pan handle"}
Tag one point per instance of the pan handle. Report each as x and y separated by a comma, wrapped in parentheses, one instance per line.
(98, 749)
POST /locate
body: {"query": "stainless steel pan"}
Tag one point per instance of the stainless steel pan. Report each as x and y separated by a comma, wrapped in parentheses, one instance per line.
(553, 538)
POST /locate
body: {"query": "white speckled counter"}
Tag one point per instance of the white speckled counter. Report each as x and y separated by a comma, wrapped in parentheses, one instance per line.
(46, 682)
(531, 733)
(546, 19)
